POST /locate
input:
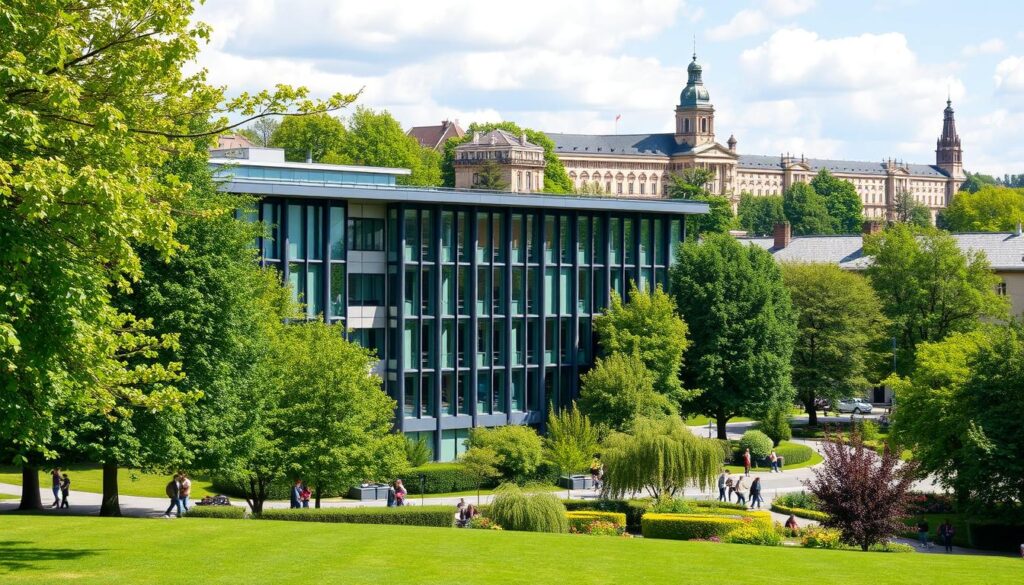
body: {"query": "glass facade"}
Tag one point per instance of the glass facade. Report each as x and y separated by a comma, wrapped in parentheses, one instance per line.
(483, 315)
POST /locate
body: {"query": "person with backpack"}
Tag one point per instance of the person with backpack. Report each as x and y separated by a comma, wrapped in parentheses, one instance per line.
(755, 493)
(173, 491)
(65, 490)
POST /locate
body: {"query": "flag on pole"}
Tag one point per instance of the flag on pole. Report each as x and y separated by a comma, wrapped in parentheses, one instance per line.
(617, 116)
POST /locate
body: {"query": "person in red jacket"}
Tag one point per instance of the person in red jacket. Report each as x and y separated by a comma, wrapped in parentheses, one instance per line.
(746, 462)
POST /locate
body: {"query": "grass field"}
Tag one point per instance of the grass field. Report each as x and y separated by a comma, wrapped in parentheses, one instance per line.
(38, 549)
(130, 482)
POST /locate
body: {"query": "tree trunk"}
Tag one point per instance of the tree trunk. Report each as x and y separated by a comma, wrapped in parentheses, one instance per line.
(812, 412)
(30, 498)
(317, 496)
(110, 505)
(721, 420)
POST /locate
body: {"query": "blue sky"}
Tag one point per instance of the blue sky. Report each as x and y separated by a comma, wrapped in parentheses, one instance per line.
(861, 80)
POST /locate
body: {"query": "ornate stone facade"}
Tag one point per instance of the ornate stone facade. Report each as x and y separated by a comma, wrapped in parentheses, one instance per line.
(522, 162)
(640, 165)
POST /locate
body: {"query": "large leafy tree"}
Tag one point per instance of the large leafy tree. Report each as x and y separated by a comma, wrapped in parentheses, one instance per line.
(659, 456)
(841, 200)
(976, 181)
(989, 209)
(692, 183)
(490, 177)
(742, 327)
(377, 139)
(908, 210)
(839, 321)
(93, 101)
(556, 180)
(620, 389)
(649, 327)
(312, 137)
(571, 440)
(758, 215)
(929, 287)
(335, 421)
(806, 210)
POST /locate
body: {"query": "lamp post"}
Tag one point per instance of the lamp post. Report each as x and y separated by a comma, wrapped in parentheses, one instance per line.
(423, 488)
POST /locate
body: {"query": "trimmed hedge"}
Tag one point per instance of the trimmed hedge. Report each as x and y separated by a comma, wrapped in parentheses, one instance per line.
(800, 512)
(688, 526)
(715, 504)
(279, 489)
(793, 453)
(581, 519)
(442, 478)
(440, 516)
(633, 509)
(227, 512)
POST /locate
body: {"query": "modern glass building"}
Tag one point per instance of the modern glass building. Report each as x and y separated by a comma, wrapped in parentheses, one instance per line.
(479, 304)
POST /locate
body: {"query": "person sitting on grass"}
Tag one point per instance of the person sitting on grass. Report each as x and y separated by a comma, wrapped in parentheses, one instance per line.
(792, 526)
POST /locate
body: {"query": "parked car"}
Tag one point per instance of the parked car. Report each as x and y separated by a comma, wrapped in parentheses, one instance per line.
(855, 405)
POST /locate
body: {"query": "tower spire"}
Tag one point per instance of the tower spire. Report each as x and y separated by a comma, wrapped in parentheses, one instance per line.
(948, 154)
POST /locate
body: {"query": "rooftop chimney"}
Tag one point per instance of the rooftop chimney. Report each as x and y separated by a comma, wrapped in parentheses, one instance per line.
(872, 227)
(782, 235)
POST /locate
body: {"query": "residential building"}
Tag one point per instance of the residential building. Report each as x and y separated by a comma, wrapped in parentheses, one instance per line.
(521, 162)
(639, 165)
(434, 137)
(479, 304)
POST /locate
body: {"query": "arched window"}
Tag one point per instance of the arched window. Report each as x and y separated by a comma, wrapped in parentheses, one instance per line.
(686, 125)
(703, 124)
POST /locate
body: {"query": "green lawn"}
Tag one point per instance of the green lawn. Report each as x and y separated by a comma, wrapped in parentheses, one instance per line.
(41, 549)
(699, 420)
(130, 482)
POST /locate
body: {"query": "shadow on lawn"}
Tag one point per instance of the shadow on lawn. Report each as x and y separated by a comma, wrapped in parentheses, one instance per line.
(21, 555)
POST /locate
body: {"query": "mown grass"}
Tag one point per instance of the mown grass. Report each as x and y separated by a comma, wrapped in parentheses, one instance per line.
(130, 482)
(41, 549)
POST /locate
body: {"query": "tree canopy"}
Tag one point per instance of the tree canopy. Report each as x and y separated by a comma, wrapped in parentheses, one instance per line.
(618, 390)
(909, 210)
(377, 139)
(841, 201)
(692, 183)
(758, 215)
(929, 287)
(988, 209)
(806, 210)
(309, 137)
(839, 321)
(648, 327)
(741, 325)
(556, 180)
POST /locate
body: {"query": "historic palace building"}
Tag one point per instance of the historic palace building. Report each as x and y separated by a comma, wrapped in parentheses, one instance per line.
(639, 165)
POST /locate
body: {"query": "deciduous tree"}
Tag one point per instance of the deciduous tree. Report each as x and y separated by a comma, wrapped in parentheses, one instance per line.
(841, 200)
(910, 211)
(618, 390)
(742, 327)
(758, 215)
(311, 137)
(806, 210)
(377, 139)
(989, 209)
(839, 323)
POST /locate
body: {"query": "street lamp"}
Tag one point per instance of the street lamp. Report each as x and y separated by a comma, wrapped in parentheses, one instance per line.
(709, 428)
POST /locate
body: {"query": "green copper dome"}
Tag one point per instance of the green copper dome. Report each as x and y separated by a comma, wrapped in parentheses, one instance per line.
(694, 95)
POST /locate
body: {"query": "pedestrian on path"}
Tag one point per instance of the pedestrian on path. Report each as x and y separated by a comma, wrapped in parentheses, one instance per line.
(185, 490)
(773, 458)
(295, 498)
(400, 493)
(722, 478)
(304, 495)
(65, 489)
(741, 491)
(174, 493)
(755, 493)
(746, 462)
(946, 532)
(55, 486)
(922, 533)
(731, 487)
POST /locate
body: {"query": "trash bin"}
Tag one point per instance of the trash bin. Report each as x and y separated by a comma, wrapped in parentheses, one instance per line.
(782, 461)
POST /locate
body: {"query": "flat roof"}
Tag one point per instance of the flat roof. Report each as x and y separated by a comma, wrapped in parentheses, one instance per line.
(280, 188)
(304, 166)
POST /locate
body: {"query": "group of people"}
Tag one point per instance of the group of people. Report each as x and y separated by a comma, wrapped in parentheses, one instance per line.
(179, 490)
(61, 485)
(300, 494)
(464, 513)
(946, 533)
(727, 487)
(396, 494)
(774, 462)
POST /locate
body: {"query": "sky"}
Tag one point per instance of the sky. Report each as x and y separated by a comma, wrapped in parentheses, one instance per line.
(860, 80)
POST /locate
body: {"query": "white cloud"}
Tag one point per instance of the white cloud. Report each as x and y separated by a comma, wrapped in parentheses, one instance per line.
(991, 143)
(787, 8)
(989, 47)
(1009, 76)
(743, 24)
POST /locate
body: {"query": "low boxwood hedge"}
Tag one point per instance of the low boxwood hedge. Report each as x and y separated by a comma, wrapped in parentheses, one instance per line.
(800, 512)
(793, 453)
(688, 526)
(715, 504)
(442, 516)
(232, 512)
(442, 478)
(633, 509)
(580, 519)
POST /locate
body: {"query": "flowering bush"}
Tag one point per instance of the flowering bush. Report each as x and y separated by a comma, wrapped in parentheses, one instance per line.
(483, 523)
(816, 537)
(752, 534)
(598, 528)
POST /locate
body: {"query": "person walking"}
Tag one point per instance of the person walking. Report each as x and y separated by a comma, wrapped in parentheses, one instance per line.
(755, 494)
(295, 498)
(730, 487)
(746, 462)
(65, 490)
(391, 496)
(304, 495)
(722, 477)
(55, 486)
(400, 493)
(773, 459)
(946, 532)
(173, 491)
(185, 491)
(922, 533)
(741, 491)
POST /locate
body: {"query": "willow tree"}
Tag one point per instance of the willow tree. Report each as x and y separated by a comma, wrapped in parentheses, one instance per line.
(661, 457)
